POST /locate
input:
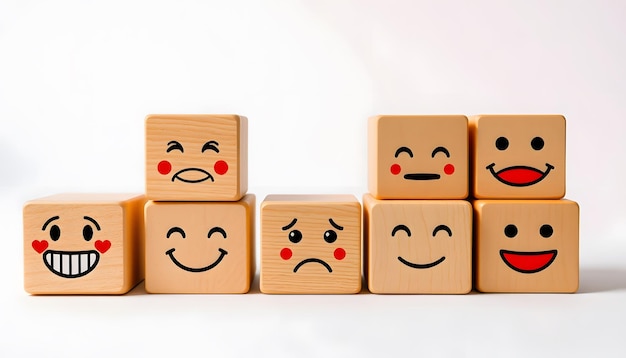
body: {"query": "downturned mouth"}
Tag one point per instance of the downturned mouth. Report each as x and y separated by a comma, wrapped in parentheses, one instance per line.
(71, 264)
(519, 175)
(187, 175)
(306, 261)
(421, 266)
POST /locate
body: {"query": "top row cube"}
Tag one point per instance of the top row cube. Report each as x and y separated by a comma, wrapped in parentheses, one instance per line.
(205, 157)
(431, 157)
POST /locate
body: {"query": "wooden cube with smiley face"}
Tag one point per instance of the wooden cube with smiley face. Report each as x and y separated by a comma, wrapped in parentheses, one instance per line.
(200, 247)
(196, 157)
(518, 156)
(526, 245)
(418, 157)
(310, 244)
(418, 246)
(83, 243)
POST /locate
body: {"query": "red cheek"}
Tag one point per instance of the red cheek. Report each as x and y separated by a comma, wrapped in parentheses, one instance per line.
(40, 246)
(164, 167)
(395, 169)
(285, 254)
(448, 169)
(220, 167)
(340, 253)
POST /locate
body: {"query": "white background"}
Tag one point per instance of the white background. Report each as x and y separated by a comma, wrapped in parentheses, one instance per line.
(78, 78)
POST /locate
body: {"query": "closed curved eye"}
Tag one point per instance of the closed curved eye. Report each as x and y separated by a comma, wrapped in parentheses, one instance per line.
(444, 228)
(404, 150)
(216, 229)
(211, 145)
(175, 229)
(174, 145)
(401, 227)
(440, 150)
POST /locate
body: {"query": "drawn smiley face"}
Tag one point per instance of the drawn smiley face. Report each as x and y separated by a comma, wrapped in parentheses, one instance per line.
(519, 156)
(418, 246)
(329, 236)
(310, 244)
(71, 263)
(192, 175)
(196, 157)
(418, 157)
(526, 245)
(199, 247)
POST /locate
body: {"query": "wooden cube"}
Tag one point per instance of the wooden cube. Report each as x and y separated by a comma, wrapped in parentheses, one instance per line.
(518, 156)
(196, 157)
(83, 244)
(418, 246)
(526, 245)
(200, 247)
(310, 244)
(418, 157)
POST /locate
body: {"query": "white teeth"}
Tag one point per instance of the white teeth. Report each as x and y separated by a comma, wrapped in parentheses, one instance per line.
(71, 264)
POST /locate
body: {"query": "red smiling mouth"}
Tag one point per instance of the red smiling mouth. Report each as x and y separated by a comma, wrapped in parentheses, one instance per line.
(519, 175)
(528, 262)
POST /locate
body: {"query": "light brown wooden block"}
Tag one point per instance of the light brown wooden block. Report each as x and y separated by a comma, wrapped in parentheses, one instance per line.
(196, 157)
(418, 157)
(83, 244)
(526, 245)
(418, 246)
(310, 244)
(518, 156)
(200, 247)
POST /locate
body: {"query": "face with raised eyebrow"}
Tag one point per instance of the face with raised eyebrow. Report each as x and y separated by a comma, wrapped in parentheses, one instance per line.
(328, 238)
(71, 263)
(190, 174)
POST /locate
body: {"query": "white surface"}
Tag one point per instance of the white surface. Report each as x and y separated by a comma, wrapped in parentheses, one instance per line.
(77, 79)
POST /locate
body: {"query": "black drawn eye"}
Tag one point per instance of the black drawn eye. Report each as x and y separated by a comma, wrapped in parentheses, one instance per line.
(295, 236)
(211, 145)
(502, 143)
(442, 228)
(404, 150)
(87, 232)
(175, 229)
(537, 143)
(546, 231)
(55, 232)
(510, 230)
(174, 145)
(217, 229)
(330, 236)
(401, 228)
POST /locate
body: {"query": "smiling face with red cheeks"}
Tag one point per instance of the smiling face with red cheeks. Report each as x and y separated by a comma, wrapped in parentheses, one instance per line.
(526, 245)
(518, 156)
(310, 244)
(418, 157)
(196, 157)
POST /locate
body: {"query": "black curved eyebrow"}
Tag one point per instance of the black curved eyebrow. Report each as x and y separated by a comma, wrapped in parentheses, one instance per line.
(43, 228)
(175, 229)
(442, 150)
(444, 228)
(290, 225)
(335, 225)
(174, 145)
(401, 227)
(93, 221)
(216, 229)
(211, 145)
(405, 150)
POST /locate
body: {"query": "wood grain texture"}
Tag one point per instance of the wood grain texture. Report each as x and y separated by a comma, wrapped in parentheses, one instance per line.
(503, 173)
(91, 244)
(187, 172)
(321, 267)
(520, 227)
(401, 246)
(220, 263)
(418, 157)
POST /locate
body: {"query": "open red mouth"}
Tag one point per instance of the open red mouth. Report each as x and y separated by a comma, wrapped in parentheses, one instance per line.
(519, 175)
(528, 262)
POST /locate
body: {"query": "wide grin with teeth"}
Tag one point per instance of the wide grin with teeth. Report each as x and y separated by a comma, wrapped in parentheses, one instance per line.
(71, 264)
